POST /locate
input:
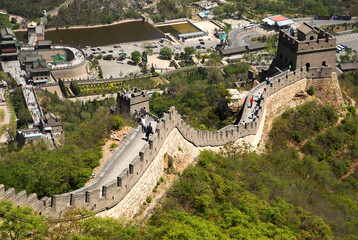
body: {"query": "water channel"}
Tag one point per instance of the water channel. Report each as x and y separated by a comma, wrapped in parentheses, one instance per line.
(100, 36)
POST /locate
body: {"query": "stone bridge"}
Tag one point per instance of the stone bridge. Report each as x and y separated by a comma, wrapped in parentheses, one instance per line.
(135, 157)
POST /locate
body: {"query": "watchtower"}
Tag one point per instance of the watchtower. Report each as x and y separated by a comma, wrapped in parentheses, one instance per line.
(309, 48)
(132, 100)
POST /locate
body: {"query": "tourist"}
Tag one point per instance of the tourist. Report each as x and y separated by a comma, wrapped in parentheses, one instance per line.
(251, 101)
(149, 131)
(142, 122)
(268, 80)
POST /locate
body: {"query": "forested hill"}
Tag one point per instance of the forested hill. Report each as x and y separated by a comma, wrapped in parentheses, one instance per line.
(30, 9)
(304, 186)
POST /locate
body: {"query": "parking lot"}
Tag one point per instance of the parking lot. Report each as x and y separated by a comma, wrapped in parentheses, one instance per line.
(121, 68)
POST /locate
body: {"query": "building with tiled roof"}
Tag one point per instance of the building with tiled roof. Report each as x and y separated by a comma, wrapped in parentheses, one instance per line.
(278, 21)
(8, 45)
(36, 68)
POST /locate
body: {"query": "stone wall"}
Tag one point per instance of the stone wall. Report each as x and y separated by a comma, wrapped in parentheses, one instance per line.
(71, 73)
(328, 90)
(98, 197)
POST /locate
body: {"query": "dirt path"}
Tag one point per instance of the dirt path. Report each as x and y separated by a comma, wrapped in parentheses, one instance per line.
(350, 172)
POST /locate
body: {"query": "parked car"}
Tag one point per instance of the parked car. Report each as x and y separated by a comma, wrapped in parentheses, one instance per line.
(198, 47)
(202, 43)
(110, 51)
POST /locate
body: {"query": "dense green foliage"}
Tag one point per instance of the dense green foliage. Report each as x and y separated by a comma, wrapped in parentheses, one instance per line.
(201, 95)
(37, 169)
(91, 12)
(306, 7)
(24, 223)
(166, 53)
(300, 124)
(6, 22)
(306, 164)
(20, 223)
(211, 201)
(135, 56)
(349, 84)
(75, 88)
(18, 102)
(171, 9)
(29, 8)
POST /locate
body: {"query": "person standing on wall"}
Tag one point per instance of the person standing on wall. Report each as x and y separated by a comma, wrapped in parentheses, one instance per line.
(149, 131)
(142, 122)
(251, 102)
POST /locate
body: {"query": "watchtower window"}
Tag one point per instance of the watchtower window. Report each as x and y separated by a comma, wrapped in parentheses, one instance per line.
(286, 60)
(311, 37)
(281, 55)
(307, 67)
(324, 63)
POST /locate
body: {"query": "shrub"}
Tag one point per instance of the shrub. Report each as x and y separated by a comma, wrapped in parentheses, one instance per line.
(149, 199)
(170, 162)
(311, 91)
(118, 122)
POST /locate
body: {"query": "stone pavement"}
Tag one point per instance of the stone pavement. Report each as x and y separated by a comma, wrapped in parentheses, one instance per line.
(121, 158)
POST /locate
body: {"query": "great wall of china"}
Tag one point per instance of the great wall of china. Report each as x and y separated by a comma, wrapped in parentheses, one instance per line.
(127, 190)
(109, 195)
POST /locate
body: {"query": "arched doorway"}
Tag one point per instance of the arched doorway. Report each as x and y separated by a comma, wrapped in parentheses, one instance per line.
(324, 63)
(307, 67)
(311, 37)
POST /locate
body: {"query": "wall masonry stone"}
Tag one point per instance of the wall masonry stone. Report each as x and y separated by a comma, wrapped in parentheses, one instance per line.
(145, 169)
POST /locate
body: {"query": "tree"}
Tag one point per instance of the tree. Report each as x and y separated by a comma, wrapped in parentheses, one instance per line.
(189, 51)
(20, 222)
(118, 122)
(136, 56)
(75, 88)
(166, 53)
(62, 87)
(100, 72)
(215, 57)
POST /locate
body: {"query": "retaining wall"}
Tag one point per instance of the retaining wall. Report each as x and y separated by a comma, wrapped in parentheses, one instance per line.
(98, 198)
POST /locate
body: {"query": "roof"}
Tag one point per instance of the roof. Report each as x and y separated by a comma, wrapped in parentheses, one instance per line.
(285, 22)
(254, 47)
(32, 58)
(59, 58)
(8, 54)
(348, 66)
(278, 18)
(7, 33)
(39, 65)
(269, 21)
(50, 115)
(43, 42)
(305, 29)
(193, 34)
(223, 37)
(232, 51)
(8, 42)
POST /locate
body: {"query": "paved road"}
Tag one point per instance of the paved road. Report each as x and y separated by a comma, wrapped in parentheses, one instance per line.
(350, 40)
(239, 37)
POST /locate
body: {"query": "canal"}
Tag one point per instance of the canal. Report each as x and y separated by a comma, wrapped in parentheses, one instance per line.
(100, 36)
